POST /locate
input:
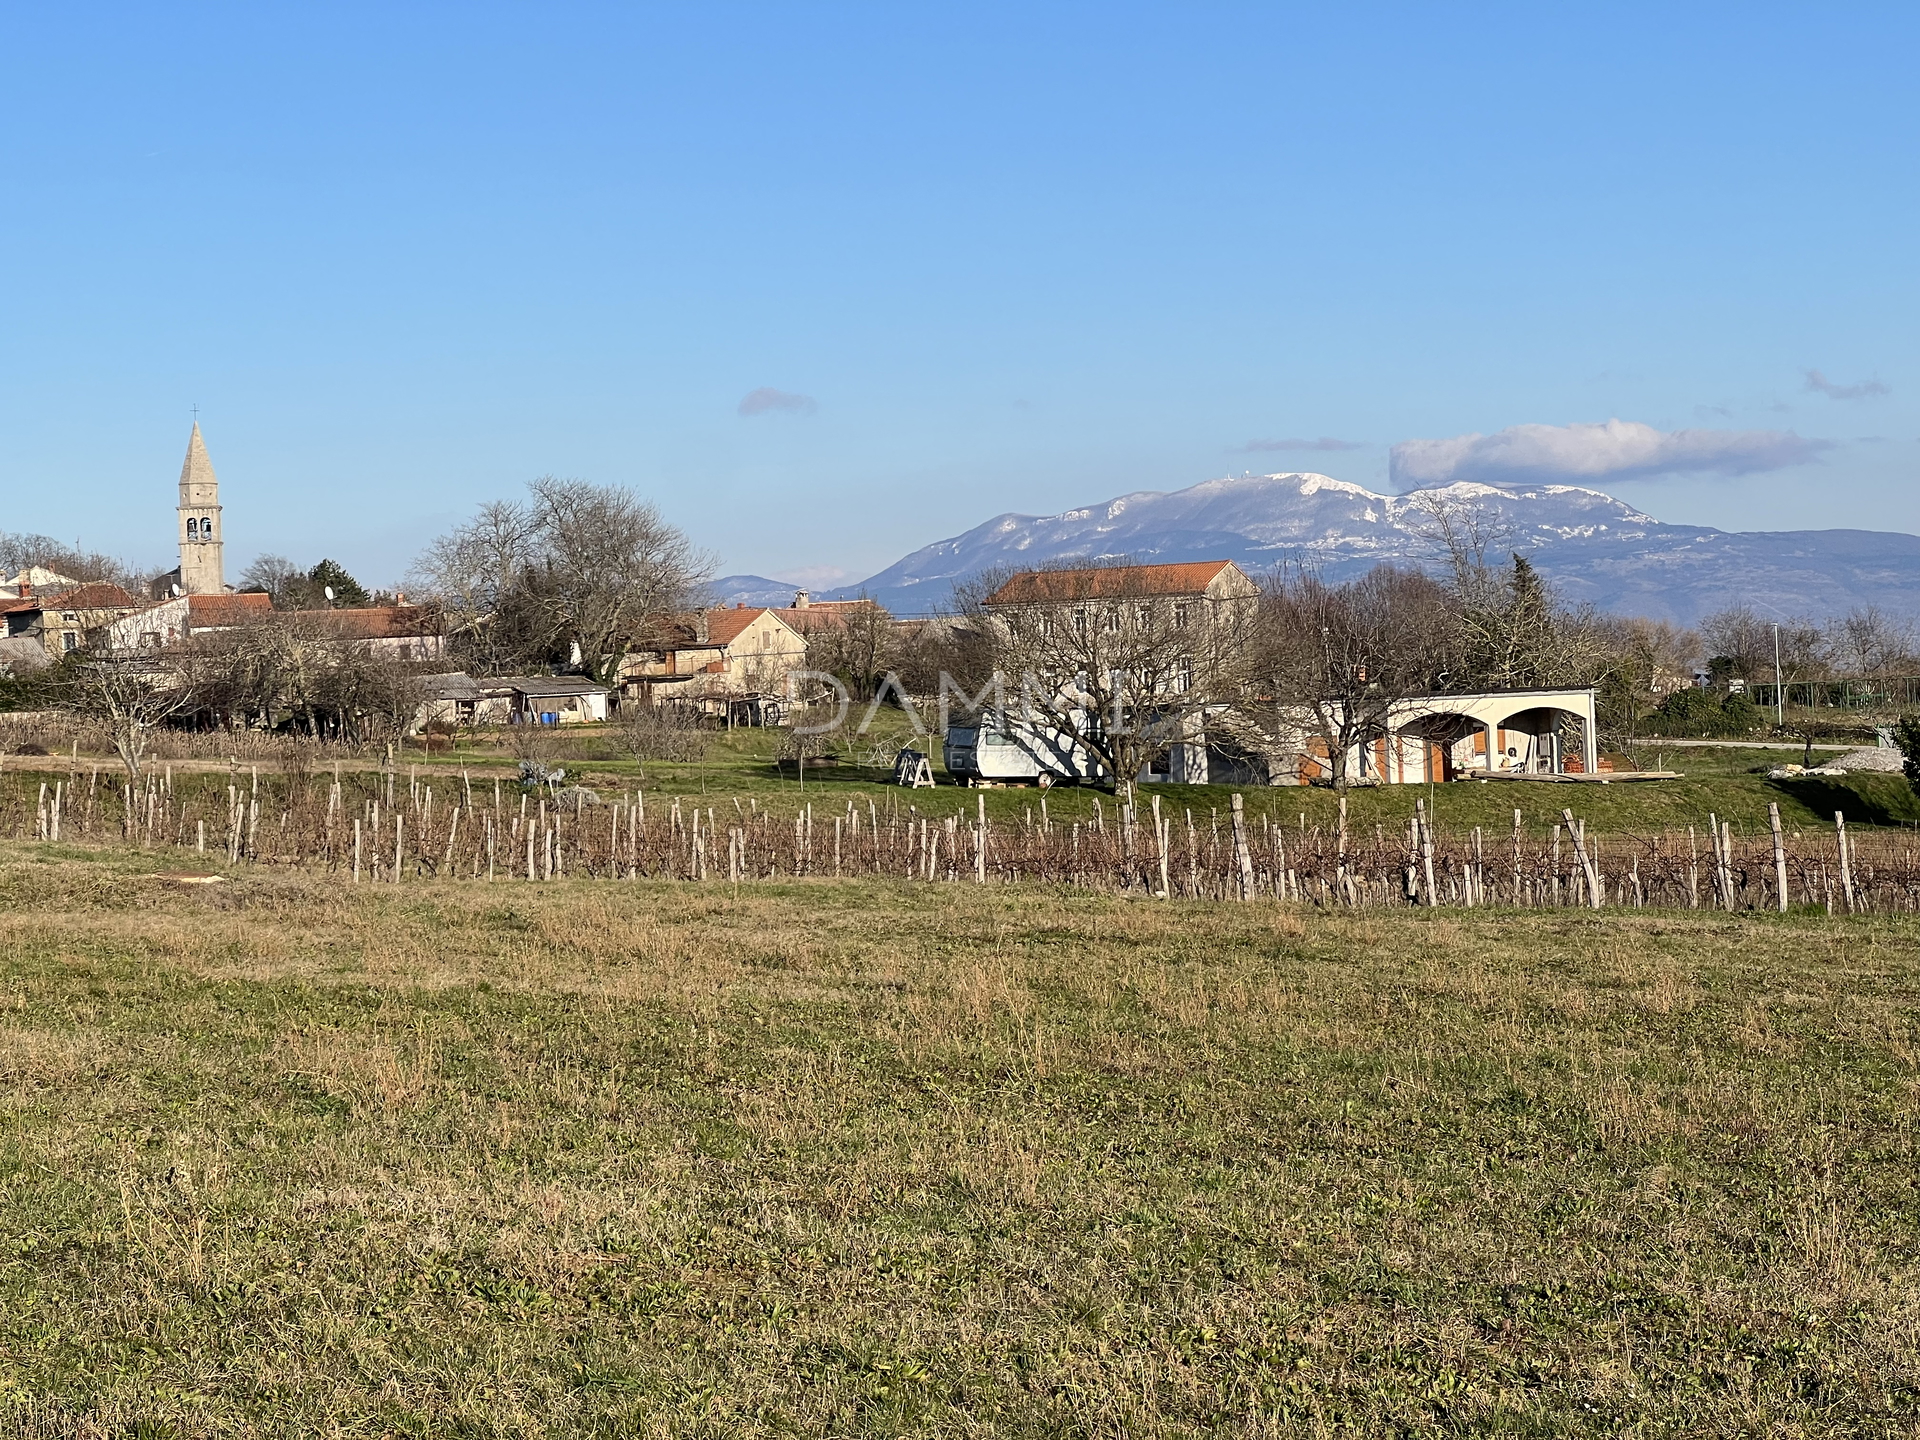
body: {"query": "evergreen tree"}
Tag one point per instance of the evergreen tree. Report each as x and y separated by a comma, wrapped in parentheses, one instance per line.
(1906, 734)
(1529, 626)
(346, 590)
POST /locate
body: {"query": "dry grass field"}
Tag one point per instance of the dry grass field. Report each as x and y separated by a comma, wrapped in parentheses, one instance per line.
(284, 1157)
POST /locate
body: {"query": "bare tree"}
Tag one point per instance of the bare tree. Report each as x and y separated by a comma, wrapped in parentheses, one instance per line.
(1654, 655)
(668, 733)
(276, 575)
(1336, 659)
(1465, 535)
(72, 562)
(581, 574)
(1739, 644)
(130, 696)
(477, 573)
(1104, 659)
(860, 645)
(1868, 641)
(1511, 630)
(610, 570)
(300, 671)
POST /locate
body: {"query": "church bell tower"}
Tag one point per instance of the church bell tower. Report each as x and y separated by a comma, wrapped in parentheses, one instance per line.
(201, 568)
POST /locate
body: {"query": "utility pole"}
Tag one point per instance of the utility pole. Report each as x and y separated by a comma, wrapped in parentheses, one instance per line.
(1779, 689)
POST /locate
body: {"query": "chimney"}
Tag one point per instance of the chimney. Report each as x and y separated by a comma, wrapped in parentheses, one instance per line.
(800, 601)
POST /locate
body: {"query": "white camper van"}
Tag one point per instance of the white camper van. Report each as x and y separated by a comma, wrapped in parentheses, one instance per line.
(999, 750)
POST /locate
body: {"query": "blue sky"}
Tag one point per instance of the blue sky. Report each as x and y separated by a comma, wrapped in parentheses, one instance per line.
(405, 258)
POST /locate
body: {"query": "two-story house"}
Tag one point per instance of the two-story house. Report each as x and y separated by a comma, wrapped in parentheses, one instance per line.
(733, 660)
(61, 621)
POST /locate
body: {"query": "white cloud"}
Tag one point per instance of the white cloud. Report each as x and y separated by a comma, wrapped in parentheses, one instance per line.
(1865, 390)
(767, 400)
(1614, 450)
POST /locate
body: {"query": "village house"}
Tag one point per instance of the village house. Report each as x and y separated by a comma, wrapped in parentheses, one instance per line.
(1421, 739)
(177, 620)
(42, 625)
(396, 632)
(1118, 599)
(1170, 628)
(34, 578)
(733, 661)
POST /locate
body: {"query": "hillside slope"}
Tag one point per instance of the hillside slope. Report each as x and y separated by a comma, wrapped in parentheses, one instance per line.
(1595, 547)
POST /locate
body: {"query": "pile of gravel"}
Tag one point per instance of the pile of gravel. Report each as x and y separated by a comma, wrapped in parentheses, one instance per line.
(1884, 759)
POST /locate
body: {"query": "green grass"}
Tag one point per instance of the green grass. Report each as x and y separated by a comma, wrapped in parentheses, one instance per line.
(1730, 782)
(282, 1158)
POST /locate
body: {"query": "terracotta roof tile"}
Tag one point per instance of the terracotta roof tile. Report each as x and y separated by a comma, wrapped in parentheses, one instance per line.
(724, 626)
(1108, 582)
(824, 614)
(381, 622)
(95, 597)
(211, 612)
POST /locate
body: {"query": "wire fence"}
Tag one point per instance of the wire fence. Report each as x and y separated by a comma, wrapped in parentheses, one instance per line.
(1877, 693)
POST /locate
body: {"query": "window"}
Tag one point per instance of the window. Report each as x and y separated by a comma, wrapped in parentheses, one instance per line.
(69, 640)
(149, 639)
(1080, 624)
(1046, 624)
(1179, 614)
(1183, 676)
(1110, 620)
(1143, 616)
(193, 528)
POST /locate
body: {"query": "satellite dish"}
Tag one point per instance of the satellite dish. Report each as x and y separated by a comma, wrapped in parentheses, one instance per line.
(329, 592)
(176, 589)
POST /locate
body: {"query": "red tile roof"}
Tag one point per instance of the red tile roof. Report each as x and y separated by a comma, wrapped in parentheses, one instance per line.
(212, 612)
(724, 626)
(84, 597)
(94, 597)
(1108, 582)
(823, 614)
(382, 622)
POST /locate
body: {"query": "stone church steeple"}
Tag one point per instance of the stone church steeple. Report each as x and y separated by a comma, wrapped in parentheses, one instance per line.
(201, 568)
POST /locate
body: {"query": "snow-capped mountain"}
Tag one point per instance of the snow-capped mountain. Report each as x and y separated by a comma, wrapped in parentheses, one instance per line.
(1595, 547)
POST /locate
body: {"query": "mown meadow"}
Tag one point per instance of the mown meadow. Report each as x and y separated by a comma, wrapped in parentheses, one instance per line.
(280, 1156)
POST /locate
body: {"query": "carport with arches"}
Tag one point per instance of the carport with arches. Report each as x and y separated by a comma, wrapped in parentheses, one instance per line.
(1511, 732)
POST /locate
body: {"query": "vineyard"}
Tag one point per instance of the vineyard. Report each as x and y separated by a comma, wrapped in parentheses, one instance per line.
(382, 828)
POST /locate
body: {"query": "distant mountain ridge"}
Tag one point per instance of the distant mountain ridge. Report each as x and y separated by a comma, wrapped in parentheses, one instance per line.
(1593, 546)
(754, 590)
